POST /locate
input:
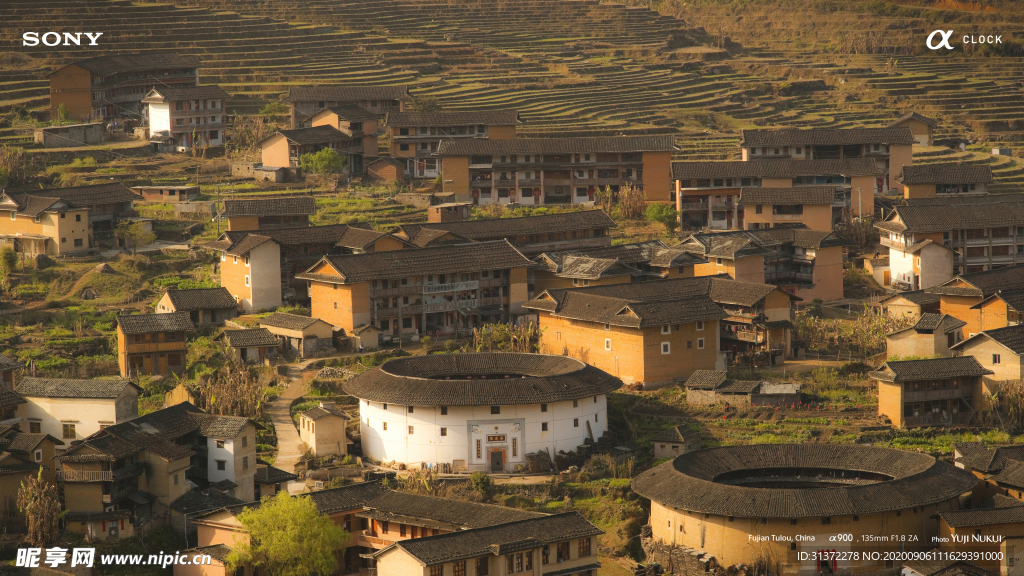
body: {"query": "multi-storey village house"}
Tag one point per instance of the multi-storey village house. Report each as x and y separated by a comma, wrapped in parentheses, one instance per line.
(74, 409)
(360, 126)
(306, 101)
(708, 193)
(933, 335)
(43, 225)
(618, 264)
(258, 267)
(152, 344)
(997, 349)
(936, 392)
(205, 306)
(187, 117)
(967, 297)
(806, 263)
(944, 179)
(415, 136)
(285, 148)
(890, 148)
(138, 469)
(544, 171)
(114, 86)
(922, 127)
(425, 291)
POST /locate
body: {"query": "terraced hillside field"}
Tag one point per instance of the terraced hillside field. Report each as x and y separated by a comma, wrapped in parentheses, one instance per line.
(572, 67)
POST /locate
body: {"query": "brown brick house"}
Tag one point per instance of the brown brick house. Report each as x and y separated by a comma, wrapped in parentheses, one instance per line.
(651, 332)
(306, 101)
(710, 387)
(562, 171)
(43, 225)
(932, 335)
(531, 235)
(936, 392)
(285, 148)
(250, 345)
(1002, 309)
(265, 213)
(386, 170)
(912, 304)
(7, 368)
(415, 136)
(999, 350)
(890, 148)
(806, 263)
(962, 296)
(114, 86)
(258, 267)
(434, 291)
(205, 306)
(708, 193)
(359, 125)
(769, 207)
(152, 344)
(921, 126)
(944, 179)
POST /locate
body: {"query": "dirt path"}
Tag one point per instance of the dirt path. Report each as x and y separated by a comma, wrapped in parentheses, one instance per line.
(289, 446)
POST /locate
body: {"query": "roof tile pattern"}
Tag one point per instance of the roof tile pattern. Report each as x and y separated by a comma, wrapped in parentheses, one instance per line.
(774, 169)
(446, 118)
(826, 137)
(68, 388)
(144, 323)
(945, 173)
(201, 299)
(485, 147)
(932, 369)
(347, 93)
(288, 206)
(811, 195)
(498, 379)
(688, 481)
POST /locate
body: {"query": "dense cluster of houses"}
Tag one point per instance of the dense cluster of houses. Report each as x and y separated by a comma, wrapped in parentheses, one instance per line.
(649, 313)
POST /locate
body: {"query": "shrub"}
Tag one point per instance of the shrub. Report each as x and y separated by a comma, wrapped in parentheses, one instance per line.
(482, 483)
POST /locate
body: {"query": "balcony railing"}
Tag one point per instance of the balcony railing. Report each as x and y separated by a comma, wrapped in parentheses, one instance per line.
(529, 181)
(746, 336)
(493, 301)
(558, 181)
(941, 394)
(804, 277)
(890, 243)
(702, 206)
(451, 287)
(395, 311)
(788, 216)
(85, 475)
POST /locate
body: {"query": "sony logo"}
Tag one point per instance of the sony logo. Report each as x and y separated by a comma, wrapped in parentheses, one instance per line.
(58, 38)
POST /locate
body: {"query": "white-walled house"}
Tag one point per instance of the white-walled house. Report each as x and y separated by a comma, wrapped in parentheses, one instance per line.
(180, 118)
(479, 411)
(75, 409)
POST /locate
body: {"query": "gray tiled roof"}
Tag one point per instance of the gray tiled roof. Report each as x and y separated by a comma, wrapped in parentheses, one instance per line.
(445, 118)
(1012, 474)
(287, 206)
(67, 388)
(30, 205)
(706, 379)
(500, 379)
(983, 283)
(740, 243)
(144, 323)
(219, 552)
(1013, 298)
(347, 93)
(596, 144)
(247, 337)
(201, 299)
(8, 364)
(626, 253)
(774, 169)
(826, 136)
(595, 268)
(677, 434)
(983, 516)
(288, 321)
(812, 195)
(267, 474)
(91, 195)
(919, 297)
(444, 259)
(945, 173)
(106, 65)
(314, 135)
(319, 412)
(1011, 336)
(353, 113)
(347, 498)
(688, 481)
(928, 321)
(195, 501)
(945, 217)
(238, 243)
(493, 229)
(465, 515)
(913, 116)
(502, 538)
(932, 369)
(992, 460)
(176, 93)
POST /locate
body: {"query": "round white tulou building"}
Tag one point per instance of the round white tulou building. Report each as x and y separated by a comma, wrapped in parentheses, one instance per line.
(479, 411)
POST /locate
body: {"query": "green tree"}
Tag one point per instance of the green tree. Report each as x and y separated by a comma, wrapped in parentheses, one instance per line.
(273, 110)
(38, 500)
(134, 234)
(426, 104)
(664, 213)
(482, 483)
(63, 114)
(288, 536)
(8, 262)
(323, 163)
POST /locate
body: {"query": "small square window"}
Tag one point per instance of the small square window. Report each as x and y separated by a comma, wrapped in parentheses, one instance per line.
(410, 409)
(444, 410)
(495, 409)
(385, 426)
(220, 443)
(245, 462)
(689, 344)
(575, 403)
(410, 429)
(700, 325)
(543, 407)
(175, 479)
(575, 422)
(995, 358)
(700, 343)
(222, 464)
(718, 261)
(245, 441)
(607, 343)
(444, 431)
(607, 326)
(34, 427)
(543, 426)
(666, 347)
(665, 329)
